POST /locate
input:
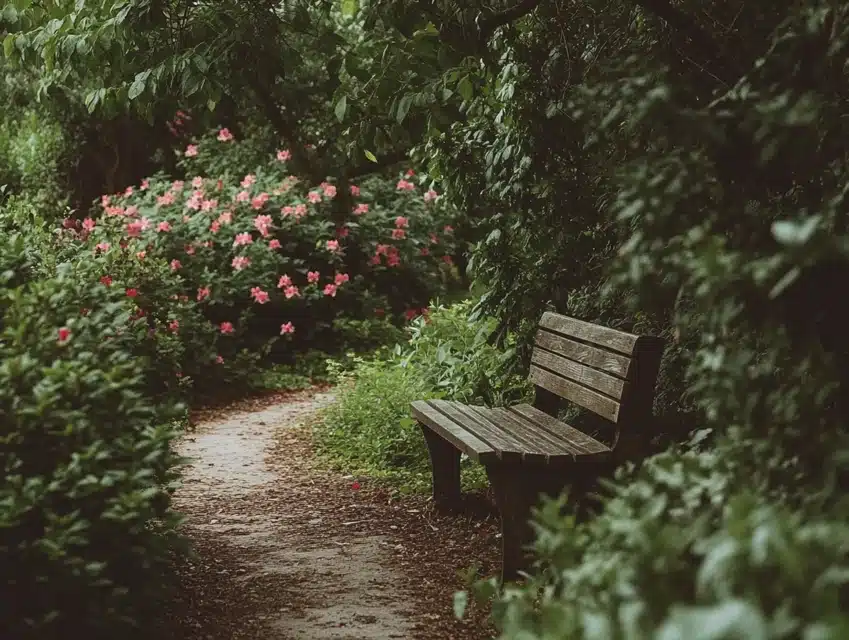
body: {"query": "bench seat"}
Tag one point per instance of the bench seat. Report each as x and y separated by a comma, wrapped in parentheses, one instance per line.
(520, 432)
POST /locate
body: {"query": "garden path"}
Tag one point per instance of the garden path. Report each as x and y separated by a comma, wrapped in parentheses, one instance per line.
(284, 550)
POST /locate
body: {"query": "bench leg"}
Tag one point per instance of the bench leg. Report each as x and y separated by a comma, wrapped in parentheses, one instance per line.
(517, 489)
(445, 468)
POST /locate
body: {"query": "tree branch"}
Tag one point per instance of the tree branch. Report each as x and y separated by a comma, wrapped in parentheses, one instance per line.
(487, 26)
(705, 45)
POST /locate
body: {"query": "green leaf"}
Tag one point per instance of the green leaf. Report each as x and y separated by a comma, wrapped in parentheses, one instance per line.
(341, 107)
(404, 107)
(795, 233)
(370, 155)
(464, 87)
(350, 7)
(137, 88)
(8, 45)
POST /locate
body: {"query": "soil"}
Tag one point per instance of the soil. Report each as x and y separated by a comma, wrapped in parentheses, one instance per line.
(285, 549)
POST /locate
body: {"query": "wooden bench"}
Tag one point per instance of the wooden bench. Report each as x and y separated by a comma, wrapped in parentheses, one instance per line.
(526, 450)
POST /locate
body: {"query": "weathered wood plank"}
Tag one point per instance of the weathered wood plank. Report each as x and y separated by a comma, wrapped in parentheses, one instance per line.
(506, 447)
(476, 420)
(529, 447)
(551, 444)
(587, 398)
(466, 442)
(588, 332)
(613, 363)
(587, 445)
(587, 376)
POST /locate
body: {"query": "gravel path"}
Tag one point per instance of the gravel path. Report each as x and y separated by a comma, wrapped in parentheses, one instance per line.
(285, 551)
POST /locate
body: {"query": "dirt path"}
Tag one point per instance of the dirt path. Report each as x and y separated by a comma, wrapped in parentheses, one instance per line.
(285, 551)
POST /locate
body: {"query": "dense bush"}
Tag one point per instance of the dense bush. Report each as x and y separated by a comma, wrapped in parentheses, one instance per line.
(267, 242)
(86, 457)
(369, 429)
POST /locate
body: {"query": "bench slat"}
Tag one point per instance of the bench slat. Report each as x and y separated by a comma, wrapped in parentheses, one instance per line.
(529, 448)
(551, 444)
(454, 433)
(588, 332)
(586, 445)
(606, 384)
(565, 388)
(608, 361)
(504, 445)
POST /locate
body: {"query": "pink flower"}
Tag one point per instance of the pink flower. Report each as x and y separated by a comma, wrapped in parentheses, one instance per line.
(141, 255)
(410, 173)
(285, 281)
(447, 260)
(131, 292)
(177, 185)
(243, 196)
(288, 210)
(274, 243)
(355, 486)
(402, 222)
(144, 185)
(434, 239)
(333, 246)
(226, 217)
(219, 359)
(399, 234)
(64, 334)
(342, 232)
(102, 246)
(410, 314)
(243, 239)
(191, 151)
(259, 296)
(448, 229)
(105, 201)
(248, 180)
(128, 192)
(330, 191)
(226, 328)
(314, 197)
(106, 280)
(341, 278)
(287, 328)
(134, 229)
(174, 326)
(203, 293)
(197, 182)
(215, 226)
(259, 201)
(284, 155)
(190, 250)
(330, 290)
(404, 185)
(89, 224)
(145, 224)
(240, 262)
(132, 211)
(355, 190)
(312, 277)
(393, 260)
(224, 135)
(208, 205)
(166, 199)
(175, 265)
(194, 202)
(430, 195)
(300, 210)
(360, 209)
(424, 251)
(291, 292)
(382, 249)
(163, 226)
(262, 223)
(375, 259)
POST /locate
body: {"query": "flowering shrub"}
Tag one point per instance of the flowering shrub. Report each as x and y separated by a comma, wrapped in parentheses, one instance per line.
(270, 243)
(86, 456)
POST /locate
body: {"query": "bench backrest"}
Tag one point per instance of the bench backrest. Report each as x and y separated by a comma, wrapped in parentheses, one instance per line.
(609, 372)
